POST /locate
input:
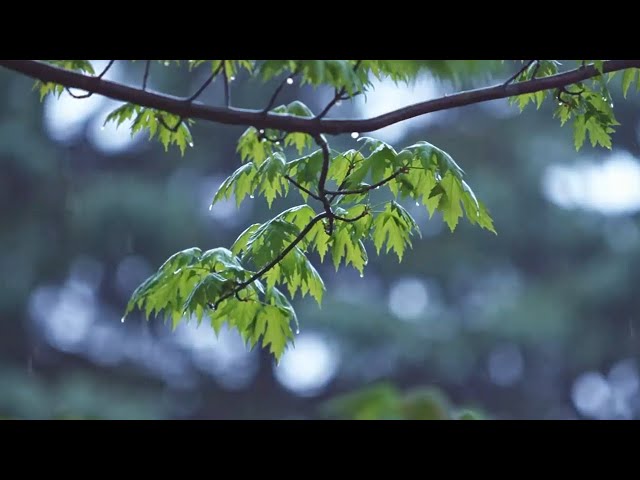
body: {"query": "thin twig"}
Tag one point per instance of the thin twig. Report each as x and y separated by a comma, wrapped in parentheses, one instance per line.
(165, 125)
(75, 95)
(354, 219)
(227, 92)
(322, 181)
(344, 181)
(519, 72)
(88, 94)
(564, 90)
(305, 190)
(145, 78)
(370, 187)
(339, 95)
(276, 140)
(205, 84)
(272, 100)
(107, 68)
(256, 276)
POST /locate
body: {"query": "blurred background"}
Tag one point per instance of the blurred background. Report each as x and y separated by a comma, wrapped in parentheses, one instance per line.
(540, 322)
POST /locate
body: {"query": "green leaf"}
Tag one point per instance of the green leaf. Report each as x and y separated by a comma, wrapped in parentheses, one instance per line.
(579, 132)
(394, 226)
(241, 183)
(270, 176)
(450, 202)
(278, 330)
(251, 148)
(628, 77)
(240, 244)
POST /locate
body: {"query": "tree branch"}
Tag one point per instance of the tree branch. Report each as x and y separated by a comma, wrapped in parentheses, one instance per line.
(288, 123)
(303, 233)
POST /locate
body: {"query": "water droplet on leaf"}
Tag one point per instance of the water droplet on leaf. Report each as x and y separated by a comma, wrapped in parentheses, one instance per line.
(251, 196)
(277, 143)
(361, 275)
(289, 81)
(355, 135)
(261, 130)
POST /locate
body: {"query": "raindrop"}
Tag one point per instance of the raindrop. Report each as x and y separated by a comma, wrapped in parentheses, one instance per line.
(355, 135)
(361, 275)
(122, 320)
(251, 196)
(298, 331)
(210, 207)
(289, 81)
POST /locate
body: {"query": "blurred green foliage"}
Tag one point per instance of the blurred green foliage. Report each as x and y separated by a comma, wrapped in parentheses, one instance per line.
(385, 402)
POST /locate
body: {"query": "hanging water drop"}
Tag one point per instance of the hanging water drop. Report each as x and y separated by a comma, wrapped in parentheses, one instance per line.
(277, 143)
(232, 78)
(262, 131)
(102, 127)
(417, 204)
(122, 320)
(289, 81)
(210, 207)
(191, 144)
(355, 135)
(361, 275)
(298, 331)
(338, 103)
(251, 196)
